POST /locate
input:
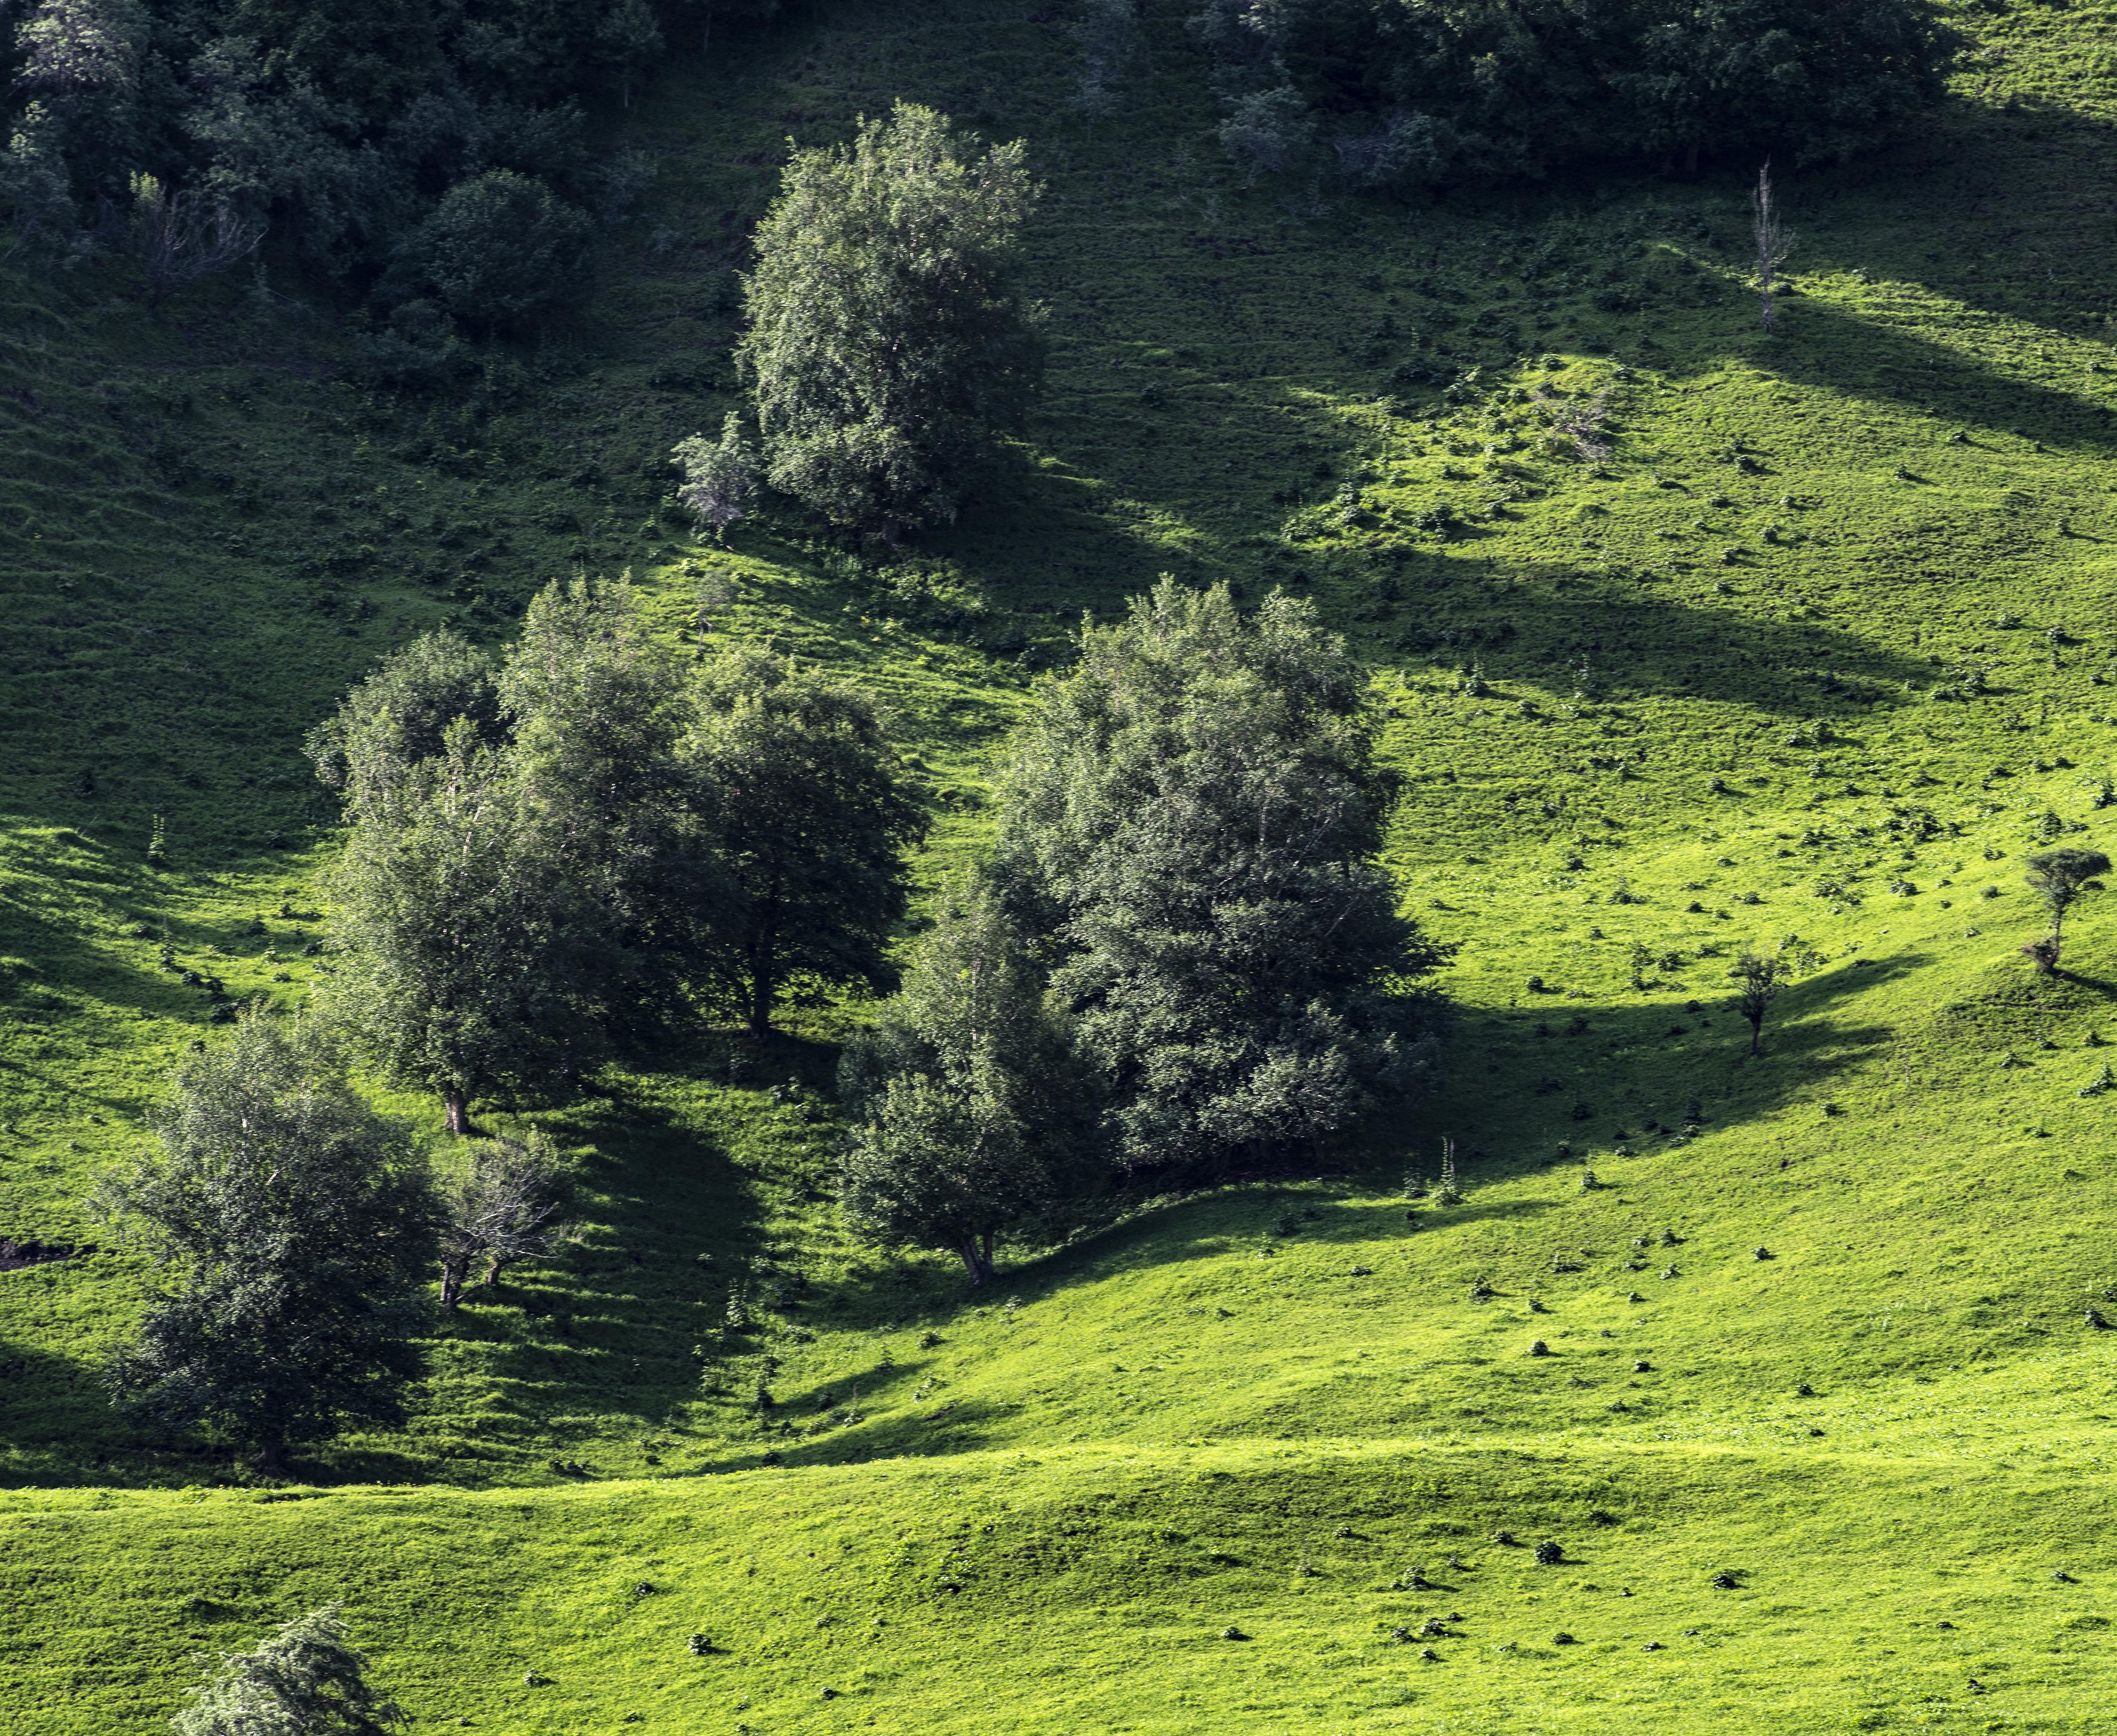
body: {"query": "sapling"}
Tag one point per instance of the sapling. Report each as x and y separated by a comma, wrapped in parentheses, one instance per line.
(2061, 876)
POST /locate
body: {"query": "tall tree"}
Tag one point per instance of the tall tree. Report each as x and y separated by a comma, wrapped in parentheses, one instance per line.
(595, 702)
(307, 1679)
(812, 811)
(970, 1105)
(888, 345)
(1190, 819)
(452, 929)
(299, 1227)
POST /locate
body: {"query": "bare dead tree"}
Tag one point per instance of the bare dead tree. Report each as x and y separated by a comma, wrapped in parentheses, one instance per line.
(1576, 424)
(1773, 240)
(499, 1206)
(179, 238)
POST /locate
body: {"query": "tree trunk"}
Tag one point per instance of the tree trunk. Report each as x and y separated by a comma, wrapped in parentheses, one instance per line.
(763, 990)
(453, 1268)
(455, 1112)
(977, 1264)
(1756, 1036)
(2058, 937)
(272, 1457)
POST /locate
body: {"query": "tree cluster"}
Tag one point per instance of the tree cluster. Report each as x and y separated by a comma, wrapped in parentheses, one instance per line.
(431, 151)
(572, 845)
(1385, 94)
(1183, 954)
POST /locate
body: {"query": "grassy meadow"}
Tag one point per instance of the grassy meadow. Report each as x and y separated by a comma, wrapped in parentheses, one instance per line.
(1692, 638)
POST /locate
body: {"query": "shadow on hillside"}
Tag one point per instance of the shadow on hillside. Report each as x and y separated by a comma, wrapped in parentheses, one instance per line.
(1535, 621)
(1591, 1082)
(605, 1334)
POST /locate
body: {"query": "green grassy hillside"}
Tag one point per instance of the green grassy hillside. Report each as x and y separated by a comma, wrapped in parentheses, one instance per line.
(1819, 648)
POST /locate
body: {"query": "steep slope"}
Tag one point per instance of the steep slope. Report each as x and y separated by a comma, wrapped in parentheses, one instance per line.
(1819, 648)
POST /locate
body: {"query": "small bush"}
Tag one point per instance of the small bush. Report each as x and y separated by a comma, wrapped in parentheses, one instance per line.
(1550, 1554)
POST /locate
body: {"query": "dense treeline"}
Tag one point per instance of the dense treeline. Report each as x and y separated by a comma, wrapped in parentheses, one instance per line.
(430, 152)
(1388, 94)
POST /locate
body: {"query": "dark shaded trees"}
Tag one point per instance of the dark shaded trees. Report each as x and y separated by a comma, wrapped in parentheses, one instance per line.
(1383, 95)
(526, 873)
(1189, 822)
(298, 1226)
(888, 346)
(810, 812)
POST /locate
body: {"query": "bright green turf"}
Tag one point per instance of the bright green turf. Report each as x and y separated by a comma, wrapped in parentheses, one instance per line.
(1604, 719)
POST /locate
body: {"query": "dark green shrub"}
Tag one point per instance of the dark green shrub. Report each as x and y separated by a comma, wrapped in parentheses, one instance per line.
(499, 252)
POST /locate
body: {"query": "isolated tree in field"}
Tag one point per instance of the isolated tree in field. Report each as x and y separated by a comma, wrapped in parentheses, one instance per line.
(2061, 876)
(1190, 823)
(298, 1226)
(499, 1199)
(304, 1680)
(811, 813)
(970, 1107)
(887, 347)
(719, 477)
(1759, 978)
(453, 927)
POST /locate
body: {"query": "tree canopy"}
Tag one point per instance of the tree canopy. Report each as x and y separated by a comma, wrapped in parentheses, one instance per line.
(1385, 93)
(811, 812)
(970, 1107)
(1190, 821)
(305, 1679)
(888, 345)
(298, 1227)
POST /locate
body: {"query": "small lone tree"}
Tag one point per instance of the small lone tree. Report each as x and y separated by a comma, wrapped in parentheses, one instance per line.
(497, 1205)
(719, 477)
(972, 1111)
(300, 1224)
(1758, 977)
(887, 347)
(2060, 876)
(807, 801)
(304, 1680)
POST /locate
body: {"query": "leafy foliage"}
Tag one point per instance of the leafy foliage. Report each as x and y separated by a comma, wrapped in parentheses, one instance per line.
(812, 814)
(299, 1223)
(719, 477)
(1190, 817)
(499, 249)
(1385, 94)
(304, 1680)
(888, 345)
(971, 1104)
